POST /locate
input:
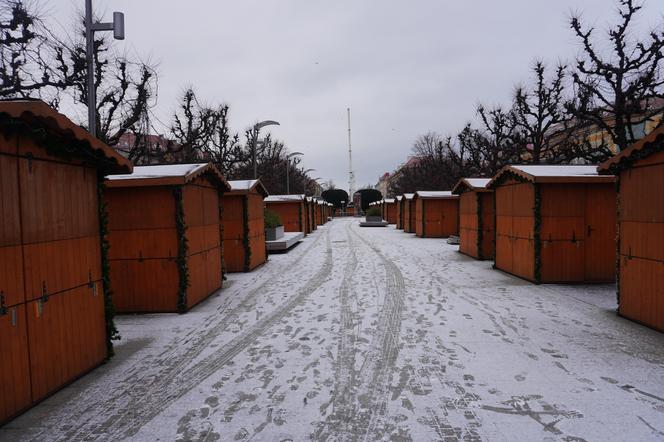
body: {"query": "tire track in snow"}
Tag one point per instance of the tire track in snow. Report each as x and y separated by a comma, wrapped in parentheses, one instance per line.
(148, 407)
(370, 406)
(143, 381)
(343, 401)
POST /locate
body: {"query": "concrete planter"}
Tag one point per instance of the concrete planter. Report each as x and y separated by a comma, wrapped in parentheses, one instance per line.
(274, 233)
(374, 219)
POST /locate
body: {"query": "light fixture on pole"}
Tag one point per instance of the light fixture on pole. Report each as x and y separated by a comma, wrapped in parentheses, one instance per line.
(288, 157)
(118, 28)
(254, 141)
(305, 180)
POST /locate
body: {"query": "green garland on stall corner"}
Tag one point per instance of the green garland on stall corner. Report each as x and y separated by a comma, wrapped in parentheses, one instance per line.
(618, 239)
(480, 226)
(245, 233)
(537, 234)
(183, 247)
(109, 310)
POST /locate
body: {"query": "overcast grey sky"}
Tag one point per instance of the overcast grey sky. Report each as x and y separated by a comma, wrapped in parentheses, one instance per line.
(403, 67)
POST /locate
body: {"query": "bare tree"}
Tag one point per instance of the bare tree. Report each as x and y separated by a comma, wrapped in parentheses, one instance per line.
(540, 114)
(498, 142)
(33, 63)
(194, 129)
(622, 89)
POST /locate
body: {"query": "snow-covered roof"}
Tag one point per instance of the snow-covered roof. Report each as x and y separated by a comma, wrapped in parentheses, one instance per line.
(408, 196)
(399, 198)
(475, 184)
(167, 174)
(309, 199)
(284, 198)
(438, 194)
(389, 200)
(552, 174)
(244, 186)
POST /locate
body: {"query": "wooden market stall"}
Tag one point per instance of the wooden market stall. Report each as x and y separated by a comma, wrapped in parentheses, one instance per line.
(243, 222)
(164, 234)
(290, 209)
(640, 177)
(390, 210)
(477, 214)
(436, 214)
(555, 223)
(320, 212)
(56, 323)
(408, 213)
(400, 206)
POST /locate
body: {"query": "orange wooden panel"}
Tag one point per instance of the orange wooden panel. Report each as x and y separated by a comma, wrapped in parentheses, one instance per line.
(10, 217)
(523, 258)
(67, 338)
(523, 226)
(523, 199)
(642, 193)
(213, 270)
(196, 239)
(504, 200)
(204, 273)
(642, 291)
(642, 240)
(192, 197)
(468, 242)
(14, 364)
(504, 253)
(289, 214)
(504, 225)
(563, 261)
(61, 265)
(144, 243)
(488, 209)
(258, 251)
(556, 228)
(145, 286)
(562, 200)
(211, 201)
(11, 275)
(63, 194)
(133, 208)
(600, 234)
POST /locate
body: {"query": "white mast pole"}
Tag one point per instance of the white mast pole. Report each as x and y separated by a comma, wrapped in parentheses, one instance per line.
(351, 174)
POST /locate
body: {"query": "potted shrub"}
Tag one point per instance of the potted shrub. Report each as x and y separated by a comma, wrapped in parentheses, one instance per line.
(373, 215)
(274, 229)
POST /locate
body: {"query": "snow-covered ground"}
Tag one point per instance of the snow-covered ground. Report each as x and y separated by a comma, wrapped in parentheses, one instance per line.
(371, 334)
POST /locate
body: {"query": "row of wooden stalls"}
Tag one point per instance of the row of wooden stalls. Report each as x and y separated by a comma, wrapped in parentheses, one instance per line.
(300, 213)
(77, 219)
(560, 224)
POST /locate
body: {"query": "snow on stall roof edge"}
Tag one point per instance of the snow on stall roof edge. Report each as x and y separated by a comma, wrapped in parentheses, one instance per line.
(163, 171)
(558, 171)
(478, 182)
(242, 184)
(435, 194)
(282, 198)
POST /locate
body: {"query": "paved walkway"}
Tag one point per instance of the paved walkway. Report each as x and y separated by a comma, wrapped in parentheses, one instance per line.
(371, 334)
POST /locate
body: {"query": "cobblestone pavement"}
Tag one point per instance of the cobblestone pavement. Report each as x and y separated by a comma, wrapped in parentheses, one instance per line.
(371, 334)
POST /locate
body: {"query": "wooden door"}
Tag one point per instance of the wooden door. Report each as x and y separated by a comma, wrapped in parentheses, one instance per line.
(600, 242)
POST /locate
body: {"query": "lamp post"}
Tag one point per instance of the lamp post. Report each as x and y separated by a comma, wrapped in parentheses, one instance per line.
(117, 26)
(288, 157)
(257, 128)
(304, 173)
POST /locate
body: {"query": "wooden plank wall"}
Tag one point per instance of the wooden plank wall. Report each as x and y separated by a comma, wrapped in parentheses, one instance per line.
(515, 223)
(436, 218)
(641, 251)
(256, 231)
(201, 208)
(54, 329)
(232, 220)
(469, 224)
(143, 248)
(289, 214)
(391, 213)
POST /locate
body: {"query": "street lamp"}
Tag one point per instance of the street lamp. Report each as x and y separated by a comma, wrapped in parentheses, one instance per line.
(288, 157)
(304, 173)
(118, 28)
(257, 128)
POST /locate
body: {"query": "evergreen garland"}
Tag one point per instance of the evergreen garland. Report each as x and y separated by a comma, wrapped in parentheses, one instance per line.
(537, 234)
(480, 226)
(183, 247)
(245, 233)
(109, 310)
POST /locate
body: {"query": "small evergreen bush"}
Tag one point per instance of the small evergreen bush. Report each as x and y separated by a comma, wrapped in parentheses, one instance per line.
(272, 220)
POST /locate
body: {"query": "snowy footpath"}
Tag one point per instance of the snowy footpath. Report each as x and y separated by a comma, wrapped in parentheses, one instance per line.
(371, 334)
